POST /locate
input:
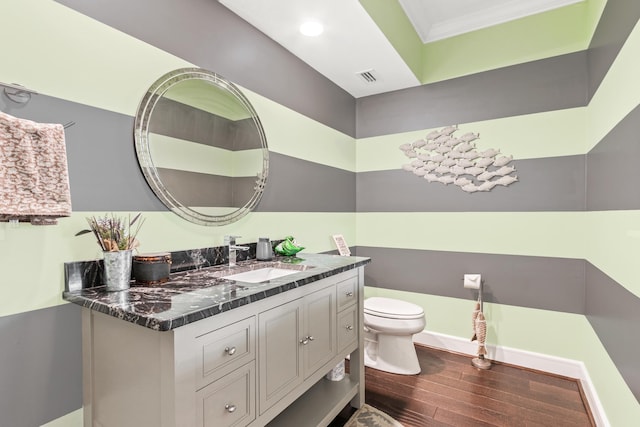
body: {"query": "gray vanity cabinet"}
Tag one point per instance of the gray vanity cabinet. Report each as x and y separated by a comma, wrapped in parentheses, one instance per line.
(295, 340)
(262, 364)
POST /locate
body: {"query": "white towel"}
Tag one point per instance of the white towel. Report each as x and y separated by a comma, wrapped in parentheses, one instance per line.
(34, 179)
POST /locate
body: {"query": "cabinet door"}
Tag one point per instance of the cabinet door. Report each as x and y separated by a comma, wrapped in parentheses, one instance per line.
(319, 344)
(280, 361)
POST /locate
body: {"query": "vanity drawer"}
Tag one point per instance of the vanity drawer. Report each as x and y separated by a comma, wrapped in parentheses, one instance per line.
(347, 292)
(225, 349)
(230, 401)
(347, 328)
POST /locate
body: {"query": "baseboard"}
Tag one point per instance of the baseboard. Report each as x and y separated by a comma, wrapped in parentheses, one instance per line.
(541, 362)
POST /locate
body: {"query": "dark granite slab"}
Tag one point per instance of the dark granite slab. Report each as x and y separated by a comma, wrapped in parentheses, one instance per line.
(195, 294)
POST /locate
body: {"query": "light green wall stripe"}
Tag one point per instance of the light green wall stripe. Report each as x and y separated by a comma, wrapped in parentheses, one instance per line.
(613, 245)
(391, 19)
(619, 92)
(293, 134)
(49, 247)
(531, 136)
(111, 70)
(538, 331)
(557, 32)
(549, 234)
(73, 419)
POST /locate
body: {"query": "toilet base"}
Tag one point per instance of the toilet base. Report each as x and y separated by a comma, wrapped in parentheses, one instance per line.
(391, 353)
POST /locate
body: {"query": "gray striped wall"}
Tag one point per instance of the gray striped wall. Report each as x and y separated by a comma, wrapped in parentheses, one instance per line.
(551, 184)
(41, 369)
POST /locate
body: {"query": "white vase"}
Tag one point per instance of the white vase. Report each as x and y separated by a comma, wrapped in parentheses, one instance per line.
(117, 270)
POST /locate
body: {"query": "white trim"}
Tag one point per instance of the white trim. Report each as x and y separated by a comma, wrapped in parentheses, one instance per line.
(494, 14)
(542, 362)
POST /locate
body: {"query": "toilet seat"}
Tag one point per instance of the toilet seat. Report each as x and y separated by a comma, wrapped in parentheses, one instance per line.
(392, 308)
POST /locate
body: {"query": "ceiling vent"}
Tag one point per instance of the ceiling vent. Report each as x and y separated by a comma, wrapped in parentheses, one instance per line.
(368, 76)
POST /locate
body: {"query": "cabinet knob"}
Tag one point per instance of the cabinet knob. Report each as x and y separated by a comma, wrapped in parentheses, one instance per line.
(349, 328)
(230, 408)
(310, 338)
(304, 341)
(230, 350)
(349, 294)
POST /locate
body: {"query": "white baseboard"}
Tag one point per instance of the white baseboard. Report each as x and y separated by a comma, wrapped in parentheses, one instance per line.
(542, 362)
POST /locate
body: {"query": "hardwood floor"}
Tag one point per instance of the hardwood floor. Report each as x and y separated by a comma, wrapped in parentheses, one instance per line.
(452, 392)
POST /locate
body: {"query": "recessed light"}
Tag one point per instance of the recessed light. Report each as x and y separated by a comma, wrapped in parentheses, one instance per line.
(311, 28)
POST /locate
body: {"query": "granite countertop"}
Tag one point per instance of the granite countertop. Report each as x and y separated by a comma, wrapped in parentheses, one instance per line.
(193, 295)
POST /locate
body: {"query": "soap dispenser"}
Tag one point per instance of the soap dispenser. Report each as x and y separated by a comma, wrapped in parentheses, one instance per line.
(264, 252)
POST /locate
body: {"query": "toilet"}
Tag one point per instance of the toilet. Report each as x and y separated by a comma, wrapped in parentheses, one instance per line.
(389, 326)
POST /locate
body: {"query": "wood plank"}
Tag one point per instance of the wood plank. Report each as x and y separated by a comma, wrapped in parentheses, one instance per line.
(451, 392)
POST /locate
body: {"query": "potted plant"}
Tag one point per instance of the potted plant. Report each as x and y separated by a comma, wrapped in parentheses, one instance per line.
(116, 237)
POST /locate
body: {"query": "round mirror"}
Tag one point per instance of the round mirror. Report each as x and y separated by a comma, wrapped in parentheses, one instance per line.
(201, 147)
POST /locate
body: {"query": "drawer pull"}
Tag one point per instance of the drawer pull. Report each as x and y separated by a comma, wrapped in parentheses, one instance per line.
(349, 328)
(310, 338)
(230, 408)
(304, 341)
(230, 351)
(349, 294)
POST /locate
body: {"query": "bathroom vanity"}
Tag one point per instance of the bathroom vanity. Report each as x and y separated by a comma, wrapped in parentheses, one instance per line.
(206, 350)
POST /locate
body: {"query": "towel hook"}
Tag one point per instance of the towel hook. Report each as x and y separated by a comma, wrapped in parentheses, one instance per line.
(18, 93)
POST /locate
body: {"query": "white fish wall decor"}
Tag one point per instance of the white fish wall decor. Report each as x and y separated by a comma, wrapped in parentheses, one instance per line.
(419, 143)
(471, 155)
(484, 162)
(444, 158)
(429, 166)
(433, 134)
(465, 163)
(446, 179)
(506, 180)
(448, 130)
(505, 170)
(489, 153)
(487, 186)
(464, 147)
(474, 170)
(457, 170)
(462, 181)
(469, 188)
(485, 176)
(503, 160)
(470, 136)
(431, 177)
(441, 139)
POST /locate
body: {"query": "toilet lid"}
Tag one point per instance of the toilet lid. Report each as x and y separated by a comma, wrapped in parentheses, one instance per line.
(392, 308)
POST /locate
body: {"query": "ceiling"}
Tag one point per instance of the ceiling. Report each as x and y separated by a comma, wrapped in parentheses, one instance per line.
(354, 52)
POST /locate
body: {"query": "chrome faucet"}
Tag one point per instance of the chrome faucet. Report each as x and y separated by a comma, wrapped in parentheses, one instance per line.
(230, 243)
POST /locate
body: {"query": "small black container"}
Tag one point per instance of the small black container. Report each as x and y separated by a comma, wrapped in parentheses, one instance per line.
(151, 269)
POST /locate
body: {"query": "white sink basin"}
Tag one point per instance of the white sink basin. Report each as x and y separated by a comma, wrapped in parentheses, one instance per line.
(260, 275)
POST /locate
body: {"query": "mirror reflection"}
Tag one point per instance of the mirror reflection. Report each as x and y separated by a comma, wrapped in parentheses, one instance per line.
(201, 147)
